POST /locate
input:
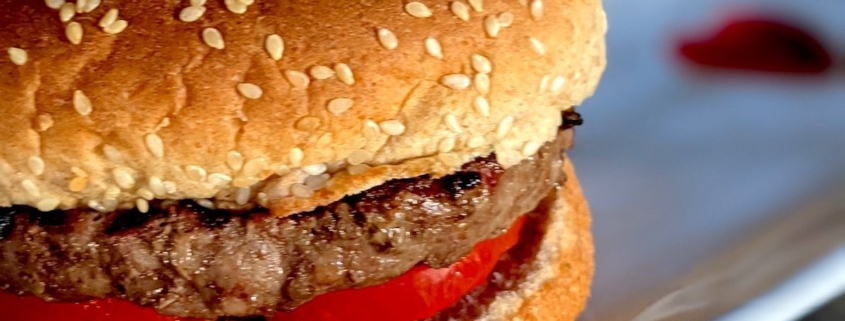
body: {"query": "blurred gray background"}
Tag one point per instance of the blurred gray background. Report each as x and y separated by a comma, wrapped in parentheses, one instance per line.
(679, 166)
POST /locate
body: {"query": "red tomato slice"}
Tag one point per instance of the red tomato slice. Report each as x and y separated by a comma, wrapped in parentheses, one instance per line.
(759, 45)
(418, 294)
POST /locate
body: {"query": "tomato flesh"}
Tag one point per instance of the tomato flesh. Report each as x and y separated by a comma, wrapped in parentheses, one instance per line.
(417, 294)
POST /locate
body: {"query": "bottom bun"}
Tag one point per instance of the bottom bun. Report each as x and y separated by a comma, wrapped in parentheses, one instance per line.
(558, 282)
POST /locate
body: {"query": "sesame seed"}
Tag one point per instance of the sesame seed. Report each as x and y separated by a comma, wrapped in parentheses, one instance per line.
(317, 182)
(531, 148)
(235, 6)
(145, 193)
(544, 83)
(344, 73)
(339, 106)
(482, 106)
(156, 186)
(392, 127)
(387, 39)
(433, 48)
(295, 156)
(446, 145)
(90, 5)
(155, 145)
(116, 27)
(460, 10)
(78, 183)
(492, 26)
(36, 165)
(206, 203)
(475, 142)
(357, 169)
(95, 205)
(109, 18)
(123, 177)
(536, 9)
(262, 199)
(81, 103)
(196, 173)
(371, 129)
(48, 204)
(164, 123)
(452, 122)
(18, 56)
(45, 122)
(505, 19)
(482, 83)
(80, 5)
(315, 169)
(170, 187)
(481, 64)
(307, 123)
(143, 205)
(301, 191)
(73, 32)
(249, 90)
(242, 195)
(197, 3)
(321, 72)
(254, 167)
(247, 2)
(235, 160)
(557, 84)
(324, 139)
(418, 9)
(275, 46)
(297, 78)
(538, 46)
(505, 127)
(54, 4)
(30, 188)
(112, 154)
(359, 157)
(78, 171)
(456, 81)
(477, 5)
(192, 13)
(213, 38)
(67, 11)
(219, 179)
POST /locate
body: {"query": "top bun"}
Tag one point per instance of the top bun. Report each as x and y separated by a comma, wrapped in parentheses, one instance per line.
(287, 104)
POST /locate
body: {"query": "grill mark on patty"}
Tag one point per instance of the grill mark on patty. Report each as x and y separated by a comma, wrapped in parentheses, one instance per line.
(184, 259)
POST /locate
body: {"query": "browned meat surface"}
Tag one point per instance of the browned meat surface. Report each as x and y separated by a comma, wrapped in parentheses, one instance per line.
(186, 260)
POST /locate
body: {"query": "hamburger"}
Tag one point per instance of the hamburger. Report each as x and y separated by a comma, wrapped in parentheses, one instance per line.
(294, 160)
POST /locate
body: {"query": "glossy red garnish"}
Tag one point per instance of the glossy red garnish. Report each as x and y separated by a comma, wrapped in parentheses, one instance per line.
(417, 294)
(759, 45)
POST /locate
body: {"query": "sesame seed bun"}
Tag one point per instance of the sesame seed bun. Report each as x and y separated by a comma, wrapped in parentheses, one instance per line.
(290, 105)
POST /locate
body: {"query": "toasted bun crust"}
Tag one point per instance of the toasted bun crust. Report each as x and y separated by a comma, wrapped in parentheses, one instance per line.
(559, 285)
(155, 111)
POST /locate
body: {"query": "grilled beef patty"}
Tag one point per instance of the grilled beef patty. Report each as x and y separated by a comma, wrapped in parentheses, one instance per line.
(184, 259)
